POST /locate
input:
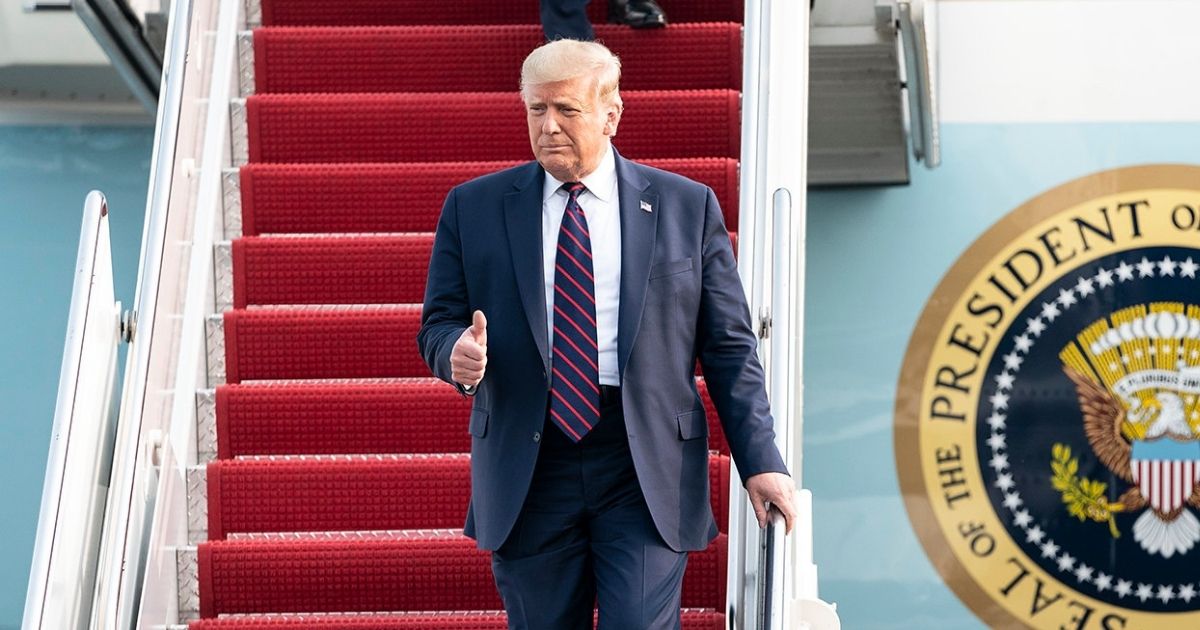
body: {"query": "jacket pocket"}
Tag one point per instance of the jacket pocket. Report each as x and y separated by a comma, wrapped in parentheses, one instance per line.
(692, 425)
(670, 268)
(479, 423)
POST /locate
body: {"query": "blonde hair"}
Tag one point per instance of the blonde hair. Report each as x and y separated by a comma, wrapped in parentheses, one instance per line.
(564, 59)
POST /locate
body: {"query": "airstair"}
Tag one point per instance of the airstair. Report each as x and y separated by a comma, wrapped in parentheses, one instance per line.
(280, 455)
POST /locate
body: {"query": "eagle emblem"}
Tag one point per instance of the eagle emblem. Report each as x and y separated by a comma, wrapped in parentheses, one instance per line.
(1137, 377)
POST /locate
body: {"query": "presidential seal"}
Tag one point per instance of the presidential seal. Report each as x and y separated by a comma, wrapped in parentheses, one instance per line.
(1048, 411)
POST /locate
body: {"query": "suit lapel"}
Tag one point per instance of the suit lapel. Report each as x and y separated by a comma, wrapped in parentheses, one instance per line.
(638, 230)
(523, 221)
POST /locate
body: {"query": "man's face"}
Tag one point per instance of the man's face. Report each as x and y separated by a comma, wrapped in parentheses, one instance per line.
(569, 126)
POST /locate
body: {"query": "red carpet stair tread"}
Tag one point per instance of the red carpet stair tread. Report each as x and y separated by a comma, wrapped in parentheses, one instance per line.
(363, 493)
(272, 344)
(399, 127)
(420, 415)
(331, 270)
(491, 620)
(413, 571)
(371, 342)
(401, 197)
(394, 12)
(397, 58)
(324, 270)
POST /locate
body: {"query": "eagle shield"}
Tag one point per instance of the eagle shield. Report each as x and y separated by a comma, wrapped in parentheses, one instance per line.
(1166, 471)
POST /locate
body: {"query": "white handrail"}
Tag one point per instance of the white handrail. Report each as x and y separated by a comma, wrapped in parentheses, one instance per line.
(77, 471)
(168, 528)
(774, 594)
(752, 230)
(150, 367)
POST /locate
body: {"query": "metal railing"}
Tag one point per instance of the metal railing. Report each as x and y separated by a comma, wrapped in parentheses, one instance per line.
(120, 35)
(166, 584)
(771, 562)
(919, 78)
(791, 603)
(63, 572)
(148, 452)
(771, 577)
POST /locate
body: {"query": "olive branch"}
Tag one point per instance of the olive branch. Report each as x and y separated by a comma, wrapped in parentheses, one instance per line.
(1085, 498)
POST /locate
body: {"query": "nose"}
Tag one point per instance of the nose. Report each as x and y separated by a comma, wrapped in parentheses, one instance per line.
(550, 123)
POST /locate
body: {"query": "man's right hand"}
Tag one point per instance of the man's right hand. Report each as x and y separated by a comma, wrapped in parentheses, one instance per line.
(468, 359)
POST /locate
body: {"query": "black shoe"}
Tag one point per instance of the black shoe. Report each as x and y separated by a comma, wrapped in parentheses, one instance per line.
(636, 13)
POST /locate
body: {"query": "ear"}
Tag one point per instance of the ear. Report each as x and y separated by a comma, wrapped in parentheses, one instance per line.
(612, 118)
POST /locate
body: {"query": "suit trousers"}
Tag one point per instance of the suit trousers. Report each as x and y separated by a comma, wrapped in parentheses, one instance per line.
(585, 537)
(566, 19)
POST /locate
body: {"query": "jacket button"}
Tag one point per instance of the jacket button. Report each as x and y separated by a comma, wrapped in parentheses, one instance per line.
(537, 436)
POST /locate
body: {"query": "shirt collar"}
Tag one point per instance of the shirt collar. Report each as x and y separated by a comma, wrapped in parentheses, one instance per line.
(601, 182)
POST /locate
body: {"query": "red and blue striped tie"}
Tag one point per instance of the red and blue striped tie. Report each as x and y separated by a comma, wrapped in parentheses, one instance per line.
(575, 383)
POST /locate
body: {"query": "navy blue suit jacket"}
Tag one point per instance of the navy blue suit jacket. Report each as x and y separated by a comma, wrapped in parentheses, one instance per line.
(681, 298)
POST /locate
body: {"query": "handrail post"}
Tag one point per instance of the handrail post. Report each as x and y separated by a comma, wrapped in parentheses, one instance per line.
(65, 552)
(771, 560)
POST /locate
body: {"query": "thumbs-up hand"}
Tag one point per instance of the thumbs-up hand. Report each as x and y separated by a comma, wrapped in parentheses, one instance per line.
(479, 329)
(468, 359)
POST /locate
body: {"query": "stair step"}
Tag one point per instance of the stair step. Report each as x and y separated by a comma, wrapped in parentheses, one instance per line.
(438, 127)
(335, 198)
(420, 415)
(330, 270)
(423, 415)
(693, 619)
(356, 493)
(300, 344)
(321, 343)
(273, 344)
(413, 571)
(396, 58)
(361, 493)
(379, 12)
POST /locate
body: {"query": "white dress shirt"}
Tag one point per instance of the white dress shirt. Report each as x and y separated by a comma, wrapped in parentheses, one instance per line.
(601, 207)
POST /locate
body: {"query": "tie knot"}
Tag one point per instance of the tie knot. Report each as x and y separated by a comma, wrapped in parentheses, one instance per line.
(574, 189)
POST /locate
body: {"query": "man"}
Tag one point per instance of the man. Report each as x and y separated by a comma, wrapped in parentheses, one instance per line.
(571, 296)
(567, 19)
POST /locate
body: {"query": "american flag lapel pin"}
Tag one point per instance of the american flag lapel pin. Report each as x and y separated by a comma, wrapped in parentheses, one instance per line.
(646, 207)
